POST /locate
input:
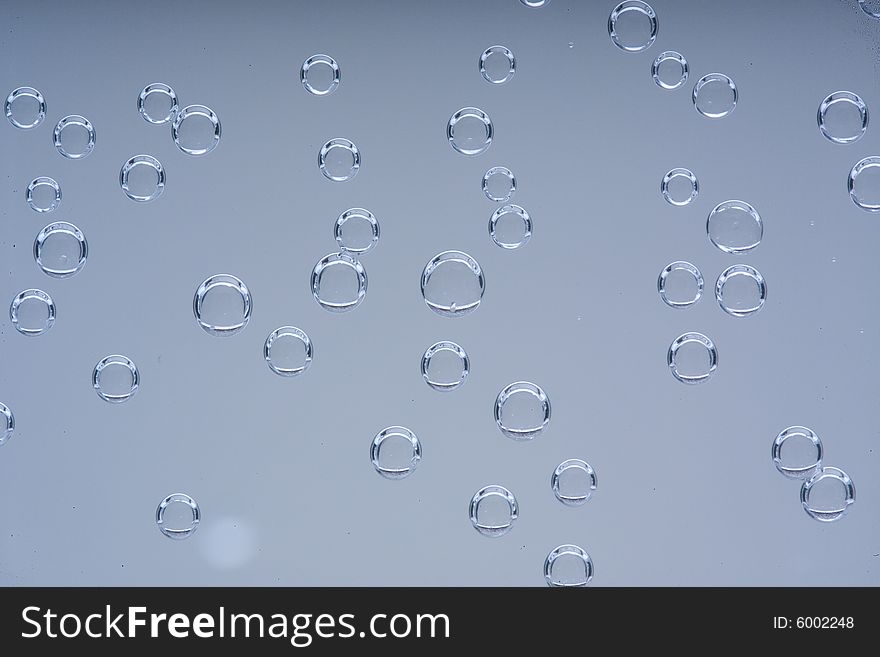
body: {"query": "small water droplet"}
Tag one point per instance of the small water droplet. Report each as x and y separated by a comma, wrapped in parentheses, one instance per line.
(142, 178)
(863, 183)
(222, 305)
(339, 159)
(196, 130)
(395, 452)
(735, 227)
(692, 358)
(715, 95)
(499, 184)
(843, 117)
(8, 427)
(522, 410)
(573, 482)
(470, 131)
(493, 510)
(61, 249)
(741, 290)
(453, 284)
(356, 231)
(178, 516)
(510, 227)
(116, 378)
(828, 494)
(670, 70)
(445, 366)
(288, 351)
(679, 186)
(32, 312)
(43, 194)
(497, 64)
(74, 137)
(25, 108)
(320, 75)
(797, 452)
(157, 103)
(680, 284)
(568, 565)
(339, 282)
(632, 26)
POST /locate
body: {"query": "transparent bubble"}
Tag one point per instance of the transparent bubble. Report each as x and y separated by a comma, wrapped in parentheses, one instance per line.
(445, 366)
(320, 75)
(692, 358)
(715, 95)
(8, 420)
(741, 290)
(356, 231)
(142, 178)
(870, 7)
(74, 137)
(32, 312)
(679, 186)
(632, 26)
(535, 3)
(680, 284)
(493, 510)
(828, 494)
(25, 108)
(497, 64)
(735, 227)
(470, 131)
(339, 159)
(157, 103)
(522, 410)
(222, 305)
(499, 184)
(453, 284)
(196, 130)
(339, 282)
(61, 249)
(797, 452)
(670, 70)
(116, 379)
(568, 565)
(178, 516)
(863, 184)
(573, 482)
(288, 351)
(843, 117)
(395, 452)
(510, 227)
(43, 194)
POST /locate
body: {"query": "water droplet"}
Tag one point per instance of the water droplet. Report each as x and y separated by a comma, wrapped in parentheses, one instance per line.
(445, 366)
(25, 108)
(797, 452)
(679, 187)
(61, 249)
(395, 452)
(339, 282)
(32, 312)
(535, 3)
(339, 159)
(670, 70)
(573, 482)
(499, 184)
(470, 131)
(497, 64)
(680, 284)
(288, 351)
(116, 379)
(863, 184)
(453, 284)
(157, 103)
(735, 227)
(715, 95)
(356, 231)
(43, 194)
(8, 420)
(196, 130)
(568, 565)
(870, 7)
(741, 290)
(222, 305)
(493, 510)
(692, 358)
(522, 410)
(320, 75)
(74, 137)
(178, 516)
(571, 44)
(142, 178)
(632, 26)
(510, 227)
(828, 494)
(843, 117)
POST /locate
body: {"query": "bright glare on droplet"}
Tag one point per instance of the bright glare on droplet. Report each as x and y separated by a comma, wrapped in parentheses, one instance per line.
(43, 194)
(395, 452)
(356, 231)
(670, 70)
(222, 305)
(178, 516)
(25, 108)
(828, 494)
(493, 510)
(445, 366)
(288, 351)
(453, 284)
(522, 410)
(843, 117)
(568, 565)
(741, 290)
(196, 130)
(339, 159)
(499, 184)
(510, 227)
(863, 184)
(61, 249)
(735, 227)
(797, 452)
(8, 423)
(692, 358)
(320, 75)
(632, 26)
(715, 95)
(339, 282)
(497, 64)
(32, 312)
(142, 178)
(573, 482)
(680, 284)
(115, 378)
(157, 103)
(535, 3)
(470, 131)
(679, 186)
(74, 137)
